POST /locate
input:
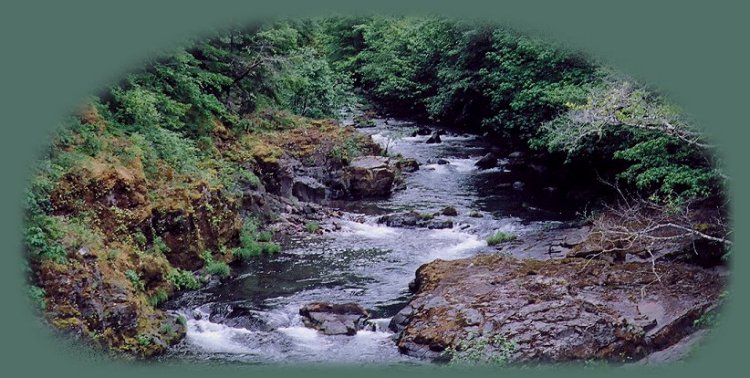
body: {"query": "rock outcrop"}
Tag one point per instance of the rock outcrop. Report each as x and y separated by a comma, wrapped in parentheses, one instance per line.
(555, 310)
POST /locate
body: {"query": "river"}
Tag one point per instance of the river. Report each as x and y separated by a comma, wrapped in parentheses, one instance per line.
(253, 317)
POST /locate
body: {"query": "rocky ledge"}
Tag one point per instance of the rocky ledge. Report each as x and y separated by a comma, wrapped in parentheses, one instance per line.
(555, 310)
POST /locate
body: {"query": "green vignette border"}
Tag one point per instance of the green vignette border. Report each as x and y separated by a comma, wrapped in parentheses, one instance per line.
(56, 54)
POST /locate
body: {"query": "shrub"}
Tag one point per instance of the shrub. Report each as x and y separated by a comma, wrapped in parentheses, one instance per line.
(183, 279)
(500, 237)
(218, 268)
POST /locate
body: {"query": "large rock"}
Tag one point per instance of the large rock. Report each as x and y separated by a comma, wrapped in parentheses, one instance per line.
(371, 176)
(487, 161)
(555, 310)
(334, 319)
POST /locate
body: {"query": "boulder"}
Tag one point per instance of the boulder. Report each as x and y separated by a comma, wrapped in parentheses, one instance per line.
(443, 162)
(434, 138)
(487, 161)
(334, 319)
(371, 176)
(555, 310)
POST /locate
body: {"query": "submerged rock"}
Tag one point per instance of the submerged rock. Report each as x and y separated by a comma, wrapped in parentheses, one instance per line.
(434, 138)
(555, 310)
(334, 319)
(408, 165)
(413, 219)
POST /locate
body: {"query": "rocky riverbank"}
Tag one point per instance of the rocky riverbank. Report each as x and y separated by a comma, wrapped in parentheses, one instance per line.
(555, 310)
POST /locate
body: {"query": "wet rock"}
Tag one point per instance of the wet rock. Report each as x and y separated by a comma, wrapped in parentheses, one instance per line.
(371, 176)
(555, 310)
(334, 319)
(413, 219)
(423, 131)
(434, 139)
(487, 161)
(518, 186)
(450, 211)
(442, 162)
(408, 165)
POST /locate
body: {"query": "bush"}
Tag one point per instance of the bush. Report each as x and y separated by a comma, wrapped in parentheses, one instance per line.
(218, 268)
(500, 237)
(183, 279)
(37, 297)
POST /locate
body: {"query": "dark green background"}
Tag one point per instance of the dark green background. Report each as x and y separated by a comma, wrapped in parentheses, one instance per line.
(55, 53)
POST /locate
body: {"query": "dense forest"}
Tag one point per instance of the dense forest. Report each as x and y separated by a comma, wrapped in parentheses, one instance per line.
(193, 130)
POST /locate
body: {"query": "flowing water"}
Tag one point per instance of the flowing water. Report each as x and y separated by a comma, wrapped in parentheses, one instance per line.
(253, 318)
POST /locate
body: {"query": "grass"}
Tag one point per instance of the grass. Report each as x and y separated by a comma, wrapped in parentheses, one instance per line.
(218, 268)
(134, 279)
(312, 227)
(500, 237)
(159, 297)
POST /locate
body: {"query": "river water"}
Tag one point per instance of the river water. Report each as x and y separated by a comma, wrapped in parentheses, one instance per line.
(253, 318)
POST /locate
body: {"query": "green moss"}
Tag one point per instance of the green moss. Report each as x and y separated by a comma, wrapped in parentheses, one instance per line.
(500, 237)
(271, 248)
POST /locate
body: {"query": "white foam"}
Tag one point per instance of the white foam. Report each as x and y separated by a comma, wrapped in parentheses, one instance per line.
(306, 337)
(217, 338)
(373, 231)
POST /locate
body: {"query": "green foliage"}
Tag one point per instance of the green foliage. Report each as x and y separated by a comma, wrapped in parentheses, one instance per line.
(500, 237)
(312, 227)
(160, 296)
(134, 279)
(271, 248)
(42, 238)
(264, 236)
(218, 268)
(183, 279)
(37, 295)
(482, 350)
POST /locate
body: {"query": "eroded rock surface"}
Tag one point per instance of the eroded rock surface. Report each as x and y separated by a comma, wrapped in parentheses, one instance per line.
(372, 176)
(555, 310)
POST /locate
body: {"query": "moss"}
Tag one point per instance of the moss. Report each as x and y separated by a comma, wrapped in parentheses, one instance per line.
(500, 237)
